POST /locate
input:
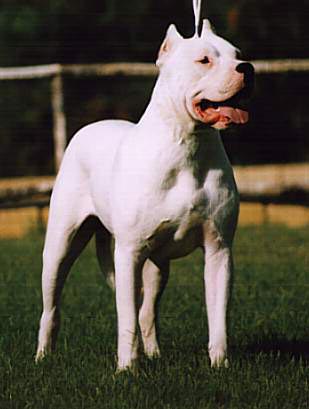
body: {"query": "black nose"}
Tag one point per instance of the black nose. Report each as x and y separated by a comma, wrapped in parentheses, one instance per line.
(245, 68)
(248, 70)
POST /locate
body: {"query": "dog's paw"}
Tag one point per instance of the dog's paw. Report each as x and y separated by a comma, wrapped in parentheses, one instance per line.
(152, 351)
(40, 355)
(219, 363)
(218, 357)
(131, 369)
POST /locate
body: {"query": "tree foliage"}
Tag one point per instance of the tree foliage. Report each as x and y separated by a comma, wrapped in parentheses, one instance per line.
(34, 31)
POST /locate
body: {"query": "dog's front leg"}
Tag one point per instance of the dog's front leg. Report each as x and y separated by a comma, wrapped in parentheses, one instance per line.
(217, 276)
(128, 266)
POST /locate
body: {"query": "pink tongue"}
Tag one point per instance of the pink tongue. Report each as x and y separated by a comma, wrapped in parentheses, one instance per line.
(235, 115)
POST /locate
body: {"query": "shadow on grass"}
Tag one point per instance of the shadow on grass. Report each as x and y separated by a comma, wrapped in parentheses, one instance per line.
(296, 349)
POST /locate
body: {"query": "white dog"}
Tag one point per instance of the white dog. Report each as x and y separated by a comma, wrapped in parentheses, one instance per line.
(160, 188)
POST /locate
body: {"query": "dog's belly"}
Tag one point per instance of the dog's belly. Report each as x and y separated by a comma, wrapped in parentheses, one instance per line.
(167, 248)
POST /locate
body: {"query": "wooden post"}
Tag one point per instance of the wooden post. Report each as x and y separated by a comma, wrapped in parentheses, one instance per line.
(59, 119)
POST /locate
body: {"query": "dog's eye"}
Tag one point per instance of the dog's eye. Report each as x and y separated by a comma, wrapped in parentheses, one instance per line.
(204, 60)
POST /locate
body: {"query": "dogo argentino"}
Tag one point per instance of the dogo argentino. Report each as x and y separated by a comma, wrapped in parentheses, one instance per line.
(159, 188)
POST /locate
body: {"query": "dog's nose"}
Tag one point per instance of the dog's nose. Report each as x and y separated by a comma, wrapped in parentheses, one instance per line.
(245, 68)
(248, 70)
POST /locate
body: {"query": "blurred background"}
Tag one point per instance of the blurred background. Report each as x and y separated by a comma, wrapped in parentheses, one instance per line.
(36, 32)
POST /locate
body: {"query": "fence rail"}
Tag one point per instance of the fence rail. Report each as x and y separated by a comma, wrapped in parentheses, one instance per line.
(133, 69)
(276, 184)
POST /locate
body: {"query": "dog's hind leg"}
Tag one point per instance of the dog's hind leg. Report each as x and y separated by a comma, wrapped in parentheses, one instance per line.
(105, 255)
(67, 234)
(154, 281)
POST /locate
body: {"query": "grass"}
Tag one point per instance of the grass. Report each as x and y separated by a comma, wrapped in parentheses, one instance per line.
(269, 340)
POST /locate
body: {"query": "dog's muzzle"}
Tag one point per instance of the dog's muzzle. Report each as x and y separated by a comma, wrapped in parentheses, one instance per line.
(233, 110)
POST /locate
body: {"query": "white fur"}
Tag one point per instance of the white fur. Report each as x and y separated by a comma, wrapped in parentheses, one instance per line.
(160, 188)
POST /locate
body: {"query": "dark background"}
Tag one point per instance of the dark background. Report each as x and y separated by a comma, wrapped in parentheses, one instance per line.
(41, 32)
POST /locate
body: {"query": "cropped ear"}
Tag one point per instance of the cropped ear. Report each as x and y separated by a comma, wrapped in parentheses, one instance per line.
(171, 39)
(207, 29)
(208, 33)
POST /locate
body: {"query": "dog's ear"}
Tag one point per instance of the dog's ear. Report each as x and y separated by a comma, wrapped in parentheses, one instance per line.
(208, 33)
(171, 39)
(207, 28)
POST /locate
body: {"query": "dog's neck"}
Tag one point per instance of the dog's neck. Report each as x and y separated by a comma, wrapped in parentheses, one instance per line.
(166, 120)
(165, 114)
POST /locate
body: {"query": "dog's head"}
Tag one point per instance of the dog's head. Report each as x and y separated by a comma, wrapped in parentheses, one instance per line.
(206, 77)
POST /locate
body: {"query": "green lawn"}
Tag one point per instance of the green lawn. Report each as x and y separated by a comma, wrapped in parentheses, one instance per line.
(269, 333)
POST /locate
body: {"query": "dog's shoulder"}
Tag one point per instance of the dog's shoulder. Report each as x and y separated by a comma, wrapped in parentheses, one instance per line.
(109, 129)
(94, 146)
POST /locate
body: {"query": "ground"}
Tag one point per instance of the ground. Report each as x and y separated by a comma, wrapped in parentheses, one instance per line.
(269, 341)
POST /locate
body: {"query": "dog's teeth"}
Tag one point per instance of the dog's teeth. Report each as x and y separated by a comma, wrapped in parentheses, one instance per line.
(217, 109)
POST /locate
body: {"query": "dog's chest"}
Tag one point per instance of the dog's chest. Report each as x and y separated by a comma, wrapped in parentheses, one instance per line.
(171, 191)
(189, 204)
(175, 228)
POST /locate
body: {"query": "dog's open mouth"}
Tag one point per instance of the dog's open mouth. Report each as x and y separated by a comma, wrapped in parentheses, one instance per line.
(224, 113)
